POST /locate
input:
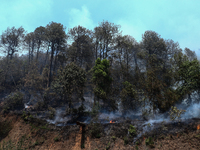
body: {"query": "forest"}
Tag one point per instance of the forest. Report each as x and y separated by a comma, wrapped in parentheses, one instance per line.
(54, 67)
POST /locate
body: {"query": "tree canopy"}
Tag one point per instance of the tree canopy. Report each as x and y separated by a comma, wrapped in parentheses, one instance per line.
(51, 65)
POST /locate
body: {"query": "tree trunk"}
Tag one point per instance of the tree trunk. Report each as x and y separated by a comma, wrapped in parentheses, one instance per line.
(51, 64)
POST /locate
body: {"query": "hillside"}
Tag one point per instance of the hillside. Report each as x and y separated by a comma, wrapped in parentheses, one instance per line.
(31, 133)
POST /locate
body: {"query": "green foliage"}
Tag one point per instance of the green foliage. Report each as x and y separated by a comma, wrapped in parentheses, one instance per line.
(2, 72)
(104, 36)
(108, 146)
(70, 80)
(132, 131)
(175, 113)
(26, 116)
(159, 76)
(114, 138)
(171, 96)
(7, 146)
(95, 110)
(40, 105)
(44, 127)
(51, 112)
(14, 101)
(36, 143)
(125, 140)
(136, 147)
(56, 37)
(149, 142)
(80, 51)
(95, 130)
(36, 83)
(101, 78)
(56, 139)
(187, 76)
(11, 39)
(155, 66)
(129, 96)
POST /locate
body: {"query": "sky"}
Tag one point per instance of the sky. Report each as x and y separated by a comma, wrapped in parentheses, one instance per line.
(178, 20)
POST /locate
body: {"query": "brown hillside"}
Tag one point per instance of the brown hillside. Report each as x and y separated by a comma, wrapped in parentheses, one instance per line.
(37, 134)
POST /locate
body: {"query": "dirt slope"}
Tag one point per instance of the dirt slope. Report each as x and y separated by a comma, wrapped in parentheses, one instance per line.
(27, 135)
(36, 134)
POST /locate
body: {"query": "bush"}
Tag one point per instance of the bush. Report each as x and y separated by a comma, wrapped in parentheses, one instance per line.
(108, 146)
(95, 110)
(26, 116)
(149, 142)
(132, 130)
(39, 105)
(51, 112)
(114, 138)
(14, 101)
(56, 139)
(136, 147)
(95, 130)
(175, 113)
(125, 140)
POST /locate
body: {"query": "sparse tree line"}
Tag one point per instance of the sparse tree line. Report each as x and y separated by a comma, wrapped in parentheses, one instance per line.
(56, 67)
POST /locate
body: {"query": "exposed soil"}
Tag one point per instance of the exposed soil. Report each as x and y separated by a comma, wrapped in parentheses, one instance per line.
(31, 133)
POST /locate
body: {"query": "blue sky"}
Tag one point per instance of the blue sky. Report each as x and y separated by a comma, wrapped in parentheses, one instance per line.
(178, 20)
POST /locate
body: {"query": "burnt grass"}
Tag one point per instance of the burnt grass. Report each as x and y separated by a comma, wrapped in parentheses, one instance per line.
(151, 136)
(161, 134)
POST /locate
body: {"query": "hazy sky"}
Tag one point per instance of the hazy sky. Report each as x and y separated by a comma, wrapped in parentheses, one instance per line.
(178, 20)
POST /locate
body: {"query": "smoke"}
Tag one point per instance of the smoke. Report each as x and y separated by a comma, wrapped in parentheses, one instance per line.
(59, 118)
(193, 111)
(109, 116)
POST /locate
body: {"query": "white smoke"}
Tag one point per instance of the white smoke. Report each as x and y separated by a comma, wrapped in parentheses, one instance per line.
(59, 117)
(110, 116)
(25, 105)
(192, 111)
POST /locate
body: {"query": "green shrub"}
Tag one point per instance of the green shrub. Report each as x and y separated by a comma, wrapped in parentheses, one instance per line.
(149, 142)
(132, 130)
(44, 127)
(136, 147)
(114, 138)
(56, 139)
(7, 145)
(14, 101)
(95, 130)
(95, 110)
(26, 116)
(36, 143)
(40, 105)
(108, 146)
(51, 112)
(175, 113)
(125, 140)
